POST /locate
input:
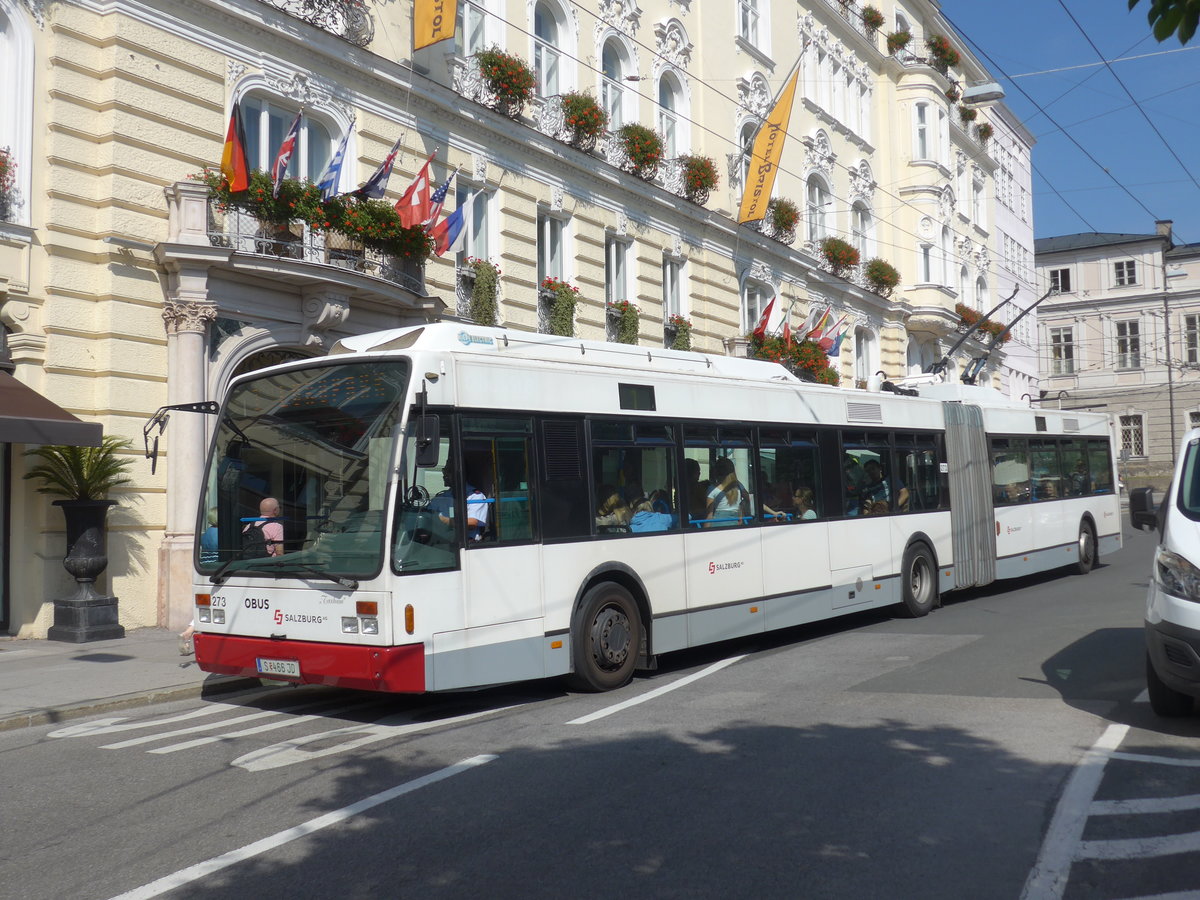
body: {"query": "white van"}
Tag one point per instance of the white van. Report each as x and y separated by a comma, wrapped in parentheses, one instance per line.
(1173, 601)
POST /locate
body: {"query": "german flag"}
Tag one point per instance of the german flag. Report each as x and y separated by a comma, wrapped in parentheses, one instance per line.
(233, 158)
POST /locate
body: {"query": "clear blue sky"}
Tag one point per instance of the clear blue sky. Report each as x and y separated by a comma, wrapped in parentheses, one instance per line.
(1020, 37)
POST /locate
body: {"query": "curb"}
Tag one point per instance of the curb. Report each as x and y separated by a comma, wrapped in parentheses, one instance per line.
(217, 685)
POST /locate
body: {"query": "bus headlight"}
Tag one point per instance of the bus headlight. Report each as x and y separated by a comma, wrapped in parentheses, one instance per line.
(370, 626)
(203, 614)
(349, 625)
(1176, 576)
(218, 616)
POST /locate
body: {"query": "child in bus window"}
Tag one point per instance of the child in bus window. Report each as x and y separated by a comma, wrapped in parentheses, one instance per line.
(612, 514)
(802, 500)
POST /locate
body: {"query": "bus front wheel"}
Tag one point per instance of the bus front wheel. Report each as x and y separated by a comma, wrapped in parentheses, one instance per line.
(1087, 549)
(918, 582)
(605, 638)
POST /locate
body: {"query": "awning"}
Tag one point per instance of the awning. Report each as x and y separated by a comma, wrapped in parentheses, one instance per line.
(26, 417)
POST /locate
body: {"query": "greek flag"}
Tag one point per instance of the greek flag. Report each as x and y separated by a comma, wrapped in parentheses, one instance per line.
(332, 175)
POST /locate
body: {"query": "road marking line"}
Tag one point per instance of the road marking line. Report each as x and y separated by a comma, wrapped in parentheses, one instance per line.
(657, 692)
(1160, 760)
(209, 866)
(1144, 805)
(1048, 877)
(270, 726)
(110, 726)
(1143, 697)
(208, 726)
(287, 753)
(1140, 848)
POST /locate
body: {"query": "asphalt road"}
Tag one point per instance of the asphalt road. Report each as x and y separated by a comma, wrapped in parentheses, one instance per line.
(869, 757)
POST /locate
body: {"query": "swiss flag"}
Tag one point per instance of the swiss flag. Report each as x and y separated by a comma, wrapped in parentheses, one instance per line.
(414, 205)
(760, 330)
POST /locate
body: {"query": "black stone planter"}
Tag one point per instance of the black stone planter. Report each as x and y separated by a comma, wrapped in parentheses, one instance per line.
(85, 615)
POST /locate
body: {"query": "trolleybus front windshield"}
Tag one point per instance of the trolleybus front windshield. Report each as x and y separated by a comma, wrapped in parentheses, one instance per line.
(318, 441)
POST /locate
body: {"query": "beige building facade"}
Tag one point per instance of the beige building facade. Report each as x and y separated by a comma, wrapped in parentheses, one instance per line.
(124, 288)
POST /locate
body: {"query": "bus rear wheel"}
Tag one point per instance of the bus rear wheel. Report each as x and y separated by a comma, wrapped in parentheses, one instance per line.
(605, 638)
(918, 582)
(1087, 549)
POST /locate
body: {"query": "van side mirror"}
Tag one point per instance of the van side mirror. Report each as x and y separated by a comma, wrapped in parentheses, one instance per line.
(428, 429)
(1143, 511)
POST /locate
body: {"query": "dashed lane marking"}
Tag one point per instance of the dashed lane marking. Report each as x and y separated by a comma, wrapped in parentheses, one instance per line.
(209, 866)
(657, 692)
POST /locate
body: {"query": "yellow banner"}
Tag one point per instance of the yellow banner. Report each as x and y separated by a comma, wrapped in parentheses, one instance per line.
(433, 21)
(765, 154)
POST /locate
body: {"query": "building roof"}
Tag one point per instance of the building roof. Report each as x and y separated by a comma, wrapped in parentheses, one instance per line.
(1089, 239)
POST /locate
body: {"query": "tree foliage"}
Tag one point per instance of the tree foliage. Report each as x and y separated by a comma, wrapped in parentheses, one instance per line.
(1167, 17)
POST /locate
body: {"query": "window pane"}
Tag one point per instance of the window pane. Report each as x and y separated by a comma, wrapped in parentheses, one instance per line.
(790, 483)
(1076, 480)
(1010, 471)
(867, 484)
(1047, 470)
(636, 489)
(427, 535)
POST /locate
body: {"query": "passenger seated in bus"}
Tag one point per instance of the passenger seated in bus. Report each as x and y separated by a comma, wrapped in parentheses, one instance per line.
(875, 508)
(802, 502)
(613, 514)
(1045, 488)
(646, 519)
(875, 489)
(853, 478)
(660, 500)
(728, 501)
(695, 492)
(1080, 484)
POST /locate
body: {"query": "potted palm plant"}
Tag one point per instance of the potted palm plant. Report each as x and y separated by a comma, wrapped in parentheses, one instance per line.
(83, 477)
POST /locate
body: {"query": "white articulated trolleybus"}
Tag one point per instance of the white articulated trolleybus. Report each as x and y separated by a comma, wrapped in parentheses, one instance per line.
(464, 506)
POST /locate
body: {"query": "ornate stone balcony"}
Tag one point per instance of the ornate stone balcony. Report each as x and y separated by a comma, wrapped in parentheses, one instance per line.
(347, 19)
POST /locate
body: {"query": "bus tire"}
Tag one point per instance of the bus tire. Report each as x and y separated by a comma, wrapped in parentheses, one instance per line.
(1164, 699)
(1087, 548)
(605, 637)
(918, 582)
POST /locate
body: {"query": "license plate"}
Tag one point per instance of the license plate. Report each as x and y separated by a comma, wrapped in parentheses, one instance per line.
(288, 668)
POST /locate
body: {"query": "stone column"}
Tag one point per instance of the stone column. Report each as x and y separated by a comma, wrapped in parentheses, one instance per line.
(187, 316)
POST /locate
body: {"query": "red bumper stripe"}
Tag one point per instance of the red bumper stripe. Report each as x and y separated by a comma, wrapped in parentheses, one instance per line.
(396, 669)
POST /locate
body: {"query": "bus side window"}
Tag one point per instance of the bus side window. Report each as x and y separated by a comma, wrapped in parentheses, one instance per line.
(496, 463)
(426, 534)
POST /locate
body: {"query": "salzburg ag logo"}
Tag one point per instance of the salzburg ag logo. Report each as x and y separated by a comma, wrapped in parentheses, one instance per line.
(714, 567)
(279, 617)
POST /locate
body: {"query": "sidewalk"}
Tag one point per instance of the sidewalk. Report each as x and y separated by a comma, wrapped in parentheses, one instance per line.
(49, 681)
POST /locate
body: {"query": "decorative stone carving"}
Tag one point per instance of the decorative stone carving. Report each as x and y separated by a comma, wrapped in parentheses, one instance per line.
(188, 316)
(862, 183)
(946, 203)
(479, 167)
(622, 15)
(622, 223)
(818, 152)
(35, 10)
(323, 309)
(925, 227)
(556, 199)
(672, 46)
(754, 95)
(234, 70)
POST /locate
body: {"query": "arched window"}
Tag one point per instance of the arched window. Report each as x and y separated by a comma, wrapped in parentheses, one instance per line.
(962, 284)
(861, 227)
(864, 354)
(746, 143)
(945, 261)
(755, 297)
(669, 126)
(818, 202)
(267, 120)
(981, 294)
(547, 38)
(614, 66)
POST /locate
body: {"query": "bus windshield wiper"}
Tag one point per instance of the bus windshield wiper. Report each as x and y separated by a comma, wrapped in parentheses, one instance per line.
(222, 574)
(292, 567)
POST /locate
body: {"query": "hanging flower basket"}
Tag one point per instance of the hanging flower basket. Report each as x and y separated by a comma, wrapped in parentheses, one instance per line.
(967, 115)
(970, 317)
(942, 56)
(953, 93)
(509, 79)
(561, 297)
(840, 255)
(897, 41)
(678, 332)
(699, 178)
(484, 291)
(804, 359)
(984, 131)
(643, 150)
(882, 277)
(584, 119)
(625, 318)
(782, 217)
(872, 18)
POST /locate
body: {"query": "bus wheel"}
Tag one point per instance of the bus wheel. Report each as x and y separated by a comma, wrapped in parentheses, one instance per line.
(1087, 549)
(918, 581)
(1165, 700)
(605, 639)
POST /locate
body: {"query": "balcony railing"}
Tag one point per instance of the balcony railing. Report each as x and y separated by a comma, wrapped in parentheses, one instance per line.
(243, 233)
(347, 19)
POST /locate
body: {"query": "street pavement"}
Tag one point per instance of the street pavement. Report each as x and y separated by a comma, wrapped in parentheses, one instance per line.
(48, 681)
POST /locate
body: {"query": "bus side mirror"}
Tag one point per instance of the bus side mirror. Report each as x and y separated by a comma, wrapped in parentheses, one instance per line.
(428, 429)
(1143, 513)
